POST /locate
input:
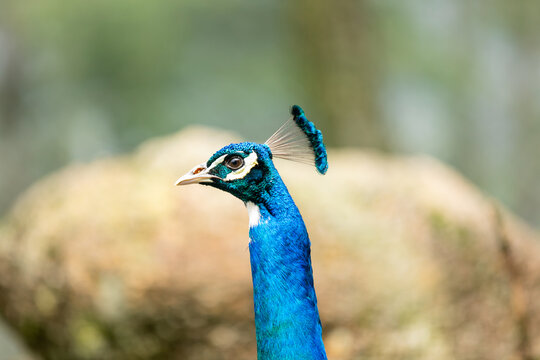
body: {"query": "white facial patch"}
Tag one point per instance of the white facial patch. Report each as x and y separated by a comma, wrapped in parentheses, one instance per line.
(216, 162)
(254, 214)
(249, 162)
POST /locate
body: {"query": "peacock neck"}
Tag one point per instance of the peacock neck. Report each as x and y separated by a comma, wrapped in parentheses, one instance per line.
(286, 315)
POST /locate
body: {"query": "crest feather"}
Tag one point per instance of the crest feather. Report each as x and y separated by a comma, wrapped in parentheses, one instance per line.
(299, 140)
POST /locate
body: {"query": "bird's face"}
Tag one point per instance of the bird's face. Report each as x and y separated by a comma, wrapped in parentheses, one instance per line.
(245, 170)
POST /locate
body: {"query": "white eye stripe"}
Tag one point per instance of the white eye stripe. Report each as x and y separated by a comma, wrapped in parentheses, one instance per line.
(249, 162)
(216, 162)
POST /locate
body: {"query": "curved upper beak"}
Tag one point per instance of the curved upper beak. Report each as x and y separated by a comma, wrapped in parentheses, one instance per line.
(196, 175)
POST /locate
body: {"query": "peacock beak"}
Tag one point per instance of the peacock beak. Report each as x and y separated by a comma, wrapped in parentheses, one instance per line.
(196, 175)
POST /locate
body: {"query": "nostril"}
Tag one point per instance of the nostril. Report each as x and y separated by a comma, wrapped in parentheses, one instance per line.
(197, 170)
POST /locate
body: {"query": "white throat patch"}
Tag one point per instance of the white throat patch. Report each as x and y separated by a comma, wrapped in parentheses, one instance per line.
(254, 214)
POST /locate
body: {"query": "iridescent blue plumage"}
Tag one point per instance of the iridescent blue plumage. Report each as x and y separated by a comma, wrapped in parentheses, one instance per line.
(286, 315)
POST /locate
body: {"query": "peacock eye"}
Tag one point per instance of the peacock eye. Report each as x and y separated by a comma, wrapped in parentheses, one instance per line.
(234, 162)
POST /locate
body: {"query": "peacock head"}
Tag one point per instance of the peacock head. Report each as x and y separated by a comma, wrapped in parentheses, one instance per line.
(246, 169)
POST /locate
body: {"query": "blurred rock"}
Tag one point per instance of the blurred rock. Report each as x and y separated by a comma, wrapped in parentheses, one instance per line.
(109, 260)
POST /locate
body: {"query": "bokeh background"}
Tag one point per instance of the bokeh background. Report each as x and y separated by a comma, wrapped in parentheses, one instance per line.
(455, 79)
(459, 80)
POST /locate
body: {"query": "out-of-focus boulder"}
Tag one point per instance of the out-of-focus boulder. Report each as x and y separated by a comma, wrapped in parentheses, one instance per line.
(109, 260)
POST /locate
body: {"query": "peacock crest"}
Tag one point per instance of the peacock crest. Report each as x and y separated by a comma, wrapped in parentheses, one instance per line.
(299, 140)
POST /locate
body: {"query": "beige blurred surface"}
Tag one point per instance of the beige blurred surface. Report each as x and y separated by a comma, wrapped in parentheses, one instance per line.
(109, 260)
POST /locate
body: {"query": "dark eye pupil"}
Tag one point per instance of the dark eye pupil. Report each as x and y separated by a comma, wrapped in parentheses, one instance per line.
(235, 162)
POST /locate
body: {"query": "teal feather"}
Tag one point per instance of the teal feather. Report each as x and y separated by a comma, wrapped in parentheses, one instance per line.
(299, 140)
(314, 136)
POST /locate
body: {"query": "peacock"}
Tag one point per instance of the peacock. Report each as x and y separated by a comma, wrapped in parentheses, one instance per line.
(287, 319)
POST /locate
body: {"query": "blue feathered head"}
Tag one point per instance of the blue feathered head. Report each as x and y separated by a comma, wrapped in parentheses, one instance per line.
(246, 169)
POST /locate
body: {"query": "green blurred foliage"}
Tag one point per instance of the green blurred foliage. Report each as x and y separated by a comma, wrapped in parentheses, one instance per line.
(459, 80)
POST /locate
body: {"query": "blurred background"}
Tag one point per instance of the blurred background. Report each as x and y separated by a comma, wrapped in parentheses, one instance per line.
(455, 79)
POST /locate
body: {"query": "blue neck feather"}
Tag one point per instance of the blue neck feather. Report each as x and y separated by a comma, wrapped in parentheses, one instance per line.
(286, 315)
